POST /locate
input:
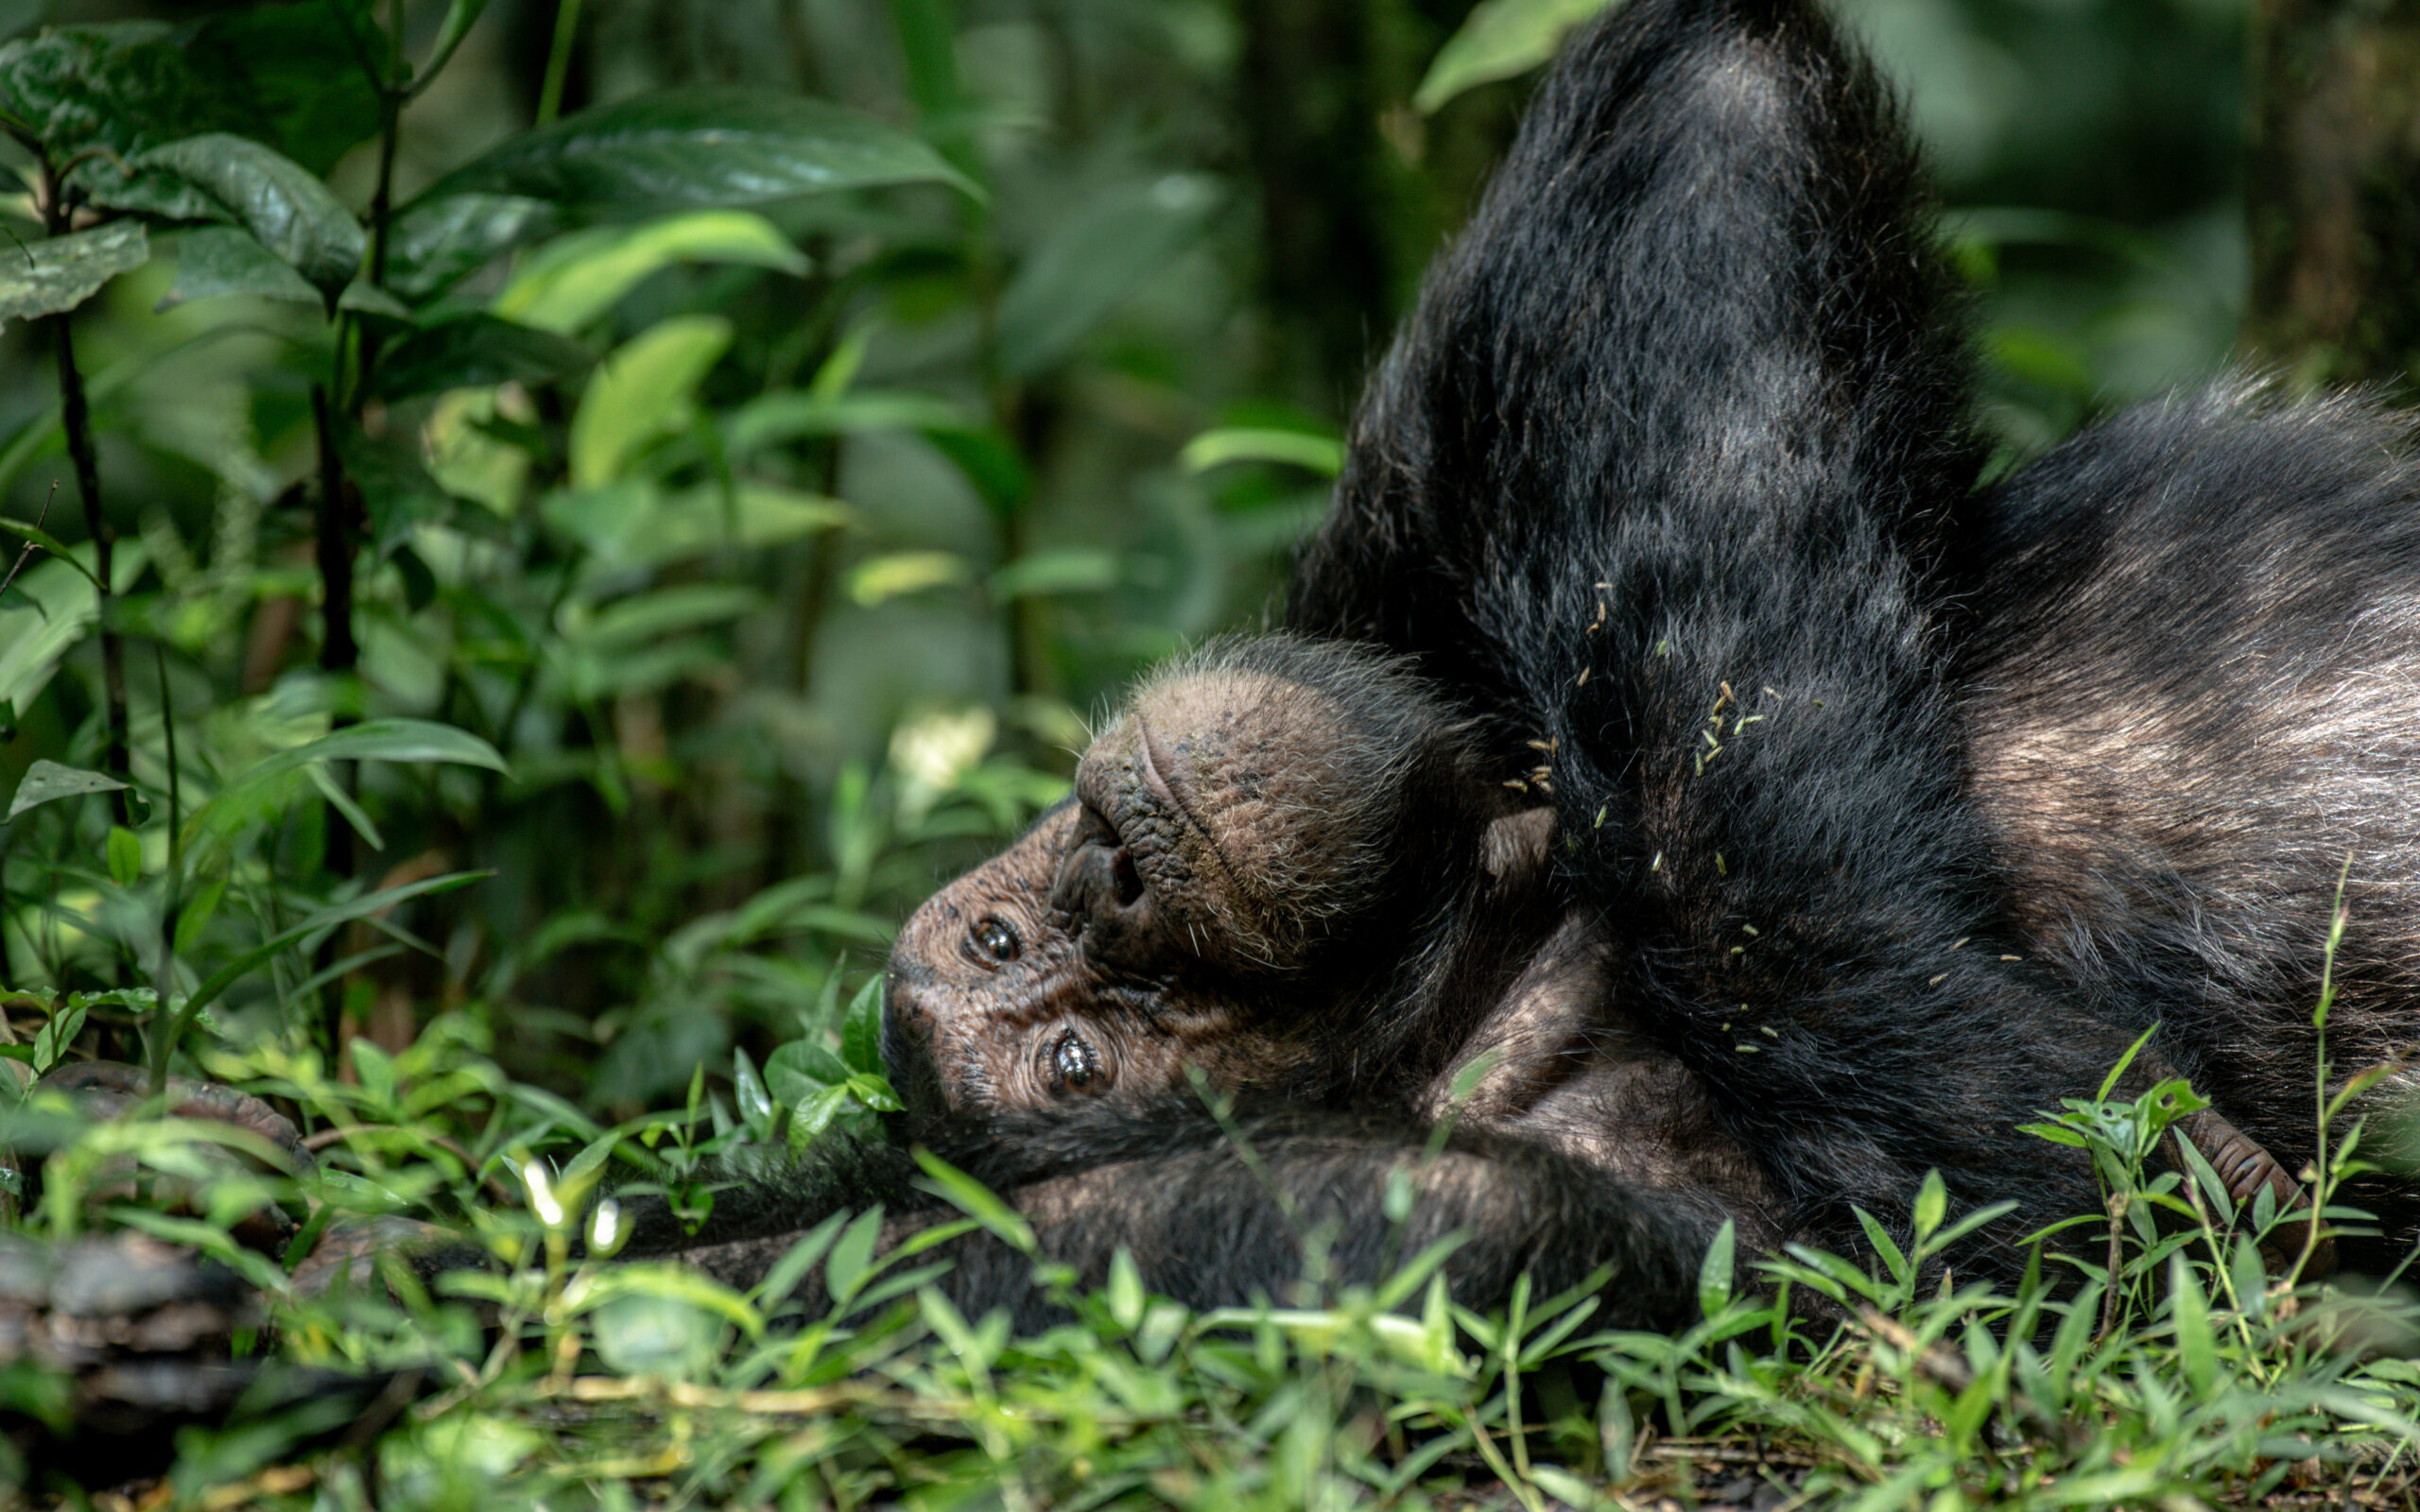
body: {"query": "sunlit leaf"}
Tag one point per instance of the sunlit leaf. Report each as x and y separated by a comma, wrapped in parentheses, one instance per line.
(1323, 455)
(573, 281)
(642, 391)
(125, 852)
(1498, 40)
(60, 273)
(906, 572)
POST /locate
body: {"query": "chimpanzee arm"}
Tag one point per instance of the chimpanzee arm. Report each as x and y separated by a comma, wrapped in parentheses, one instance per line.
(1705, 269)
(1214, 1221)
(1661, 457)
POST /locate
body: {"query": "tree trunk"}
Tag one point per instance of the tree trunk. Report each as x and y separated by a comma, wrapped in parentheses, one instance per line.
(2334, 192)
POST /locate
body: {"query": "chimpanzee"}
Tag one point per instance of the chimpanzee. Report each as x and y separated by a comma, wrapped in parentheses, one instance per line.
(1679, 794)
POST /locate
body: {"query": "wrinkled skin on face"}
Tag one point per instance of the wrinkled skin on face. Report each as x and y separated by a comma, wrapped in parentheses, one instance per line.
(1227, 880)
(994, 1004)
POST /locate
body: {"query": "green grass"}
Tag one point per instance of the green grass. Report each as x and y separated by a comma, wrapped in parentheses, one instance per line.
(2189, 1378)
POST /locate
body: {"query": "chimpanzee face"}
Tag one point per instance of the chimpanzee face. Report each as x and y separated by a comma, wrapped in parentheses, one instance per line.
(995, 1001)
(1185, 907)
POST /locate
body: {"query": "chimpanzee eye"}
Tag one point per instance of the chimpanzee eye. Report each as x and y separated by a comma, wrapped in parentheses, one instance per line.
(1073, 1062)
(998, 939)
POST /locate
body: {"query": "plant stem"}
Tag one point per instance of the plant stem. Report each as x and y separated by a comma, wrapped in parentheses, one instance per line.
(550, 94)
(339, 654)
(164, 978)
(75, 418)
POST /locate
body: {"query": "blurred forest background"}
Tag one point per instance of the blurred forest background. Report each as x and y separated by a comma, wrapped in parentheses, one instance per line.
(784, 544)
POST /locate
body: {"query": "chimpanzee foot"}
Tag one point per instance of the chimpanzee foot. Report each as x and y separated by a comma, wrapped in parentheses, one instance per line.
(2246, 1168)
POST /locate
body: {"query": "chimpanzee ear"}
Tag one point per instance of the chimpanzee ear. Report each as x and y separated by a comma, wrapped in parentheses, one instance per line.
(1517, 849)
(1706, 264)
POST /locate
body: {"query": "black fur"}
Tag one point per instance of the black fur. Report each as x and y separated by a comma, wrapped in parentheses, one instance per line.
(1671, 472)
(1229, 1211)
(1685, 413)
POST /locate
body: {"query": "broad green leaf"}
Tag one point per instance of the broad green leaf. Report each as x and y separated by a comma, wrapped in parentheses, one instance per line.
(771, 419)
(432, 245)
(61, 272)
(812, 1114)
(800, 1068)
(853, 1256)
(477, 352)
(397, 492)
(573, 281)
(388, 740)
(1323, 455)
(47, 781)
(699, 145)
(1092, 261)
(213, 260)
(1069, 570)
(48, 610)
(991, 462)
(642, 391)
(636, 524)
(861, 1028)
(125, 856)
(906, 572)
(875, 1091)
(2189, 1311)
(748, 1090)
(61, 552)
(288, 75)
(465, 458)
(1714, 1271)
(656, 1336)
(1932, 1205)
(1500, 39)
(222, 177)
(648, 617)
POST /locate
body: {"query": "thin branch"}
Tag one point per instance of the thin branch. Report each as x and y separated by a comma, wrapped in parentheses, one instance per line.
(75, 418)
(42, 521)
